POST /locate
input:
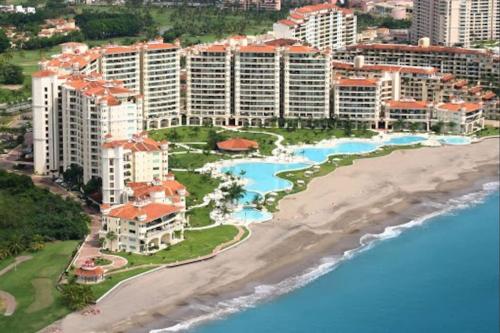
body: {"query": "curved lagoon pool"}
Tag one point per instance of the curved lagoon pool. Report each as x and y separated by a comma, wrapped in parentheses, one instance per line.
(405, 140)
(454, 140)
(321, 154)
(261, 175)
(251, 215)
(249, 197)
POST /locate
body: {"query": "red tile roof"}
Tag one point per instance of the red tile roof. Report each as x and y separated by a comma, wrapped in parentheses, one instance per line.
(43, 73)
(358, 82)
(237, 144)
(301, 49)
(257, 49)
(407, 104)
(150, 211)
(385, 68)
(456, 107)
(144, 189)
(419, 49)
(137, 143)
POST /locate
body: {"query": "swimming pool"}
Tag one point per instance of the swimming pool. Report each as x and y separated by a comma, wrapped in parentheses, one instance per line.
(249, 215)
(261, 175)
(320, 154)
(454, 140)
(405, 140)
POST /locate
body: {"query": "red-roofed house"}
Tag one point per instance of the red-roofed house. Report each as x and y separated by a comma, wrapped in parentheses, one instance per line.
(466, 117)
(142, 226)
(407, 112)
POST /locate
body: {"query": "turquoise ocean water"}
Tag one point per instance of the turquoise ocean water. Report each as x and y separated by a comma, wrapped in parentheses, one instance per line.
(440, 275)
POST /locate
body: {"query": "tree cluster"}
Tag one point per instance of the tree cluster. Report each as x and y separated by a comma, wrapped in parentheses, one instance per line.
(35, 43)
(367, 20)
(10, 73)
(102, 25)
(30, 215)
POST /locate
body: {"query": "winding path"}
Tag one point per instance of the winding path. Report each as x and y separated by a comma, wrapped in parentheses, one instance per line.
(7, 299)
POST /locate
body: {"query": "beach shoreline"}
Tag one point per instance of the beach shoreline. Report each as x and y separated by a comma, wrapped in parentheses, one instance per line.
(320, 222)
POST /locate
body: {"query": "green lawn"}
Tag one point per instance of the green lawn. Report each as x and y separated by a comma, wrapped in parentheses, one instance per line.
(198, 185)
(307, 135)
(33, 284)
(488, 131)
(193, 160)
(183, 133)
(200, 217)
(197, 244)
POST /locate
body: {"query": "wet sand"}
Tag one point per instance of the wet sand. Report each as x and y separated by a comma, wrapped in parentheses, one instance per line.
(326, 219)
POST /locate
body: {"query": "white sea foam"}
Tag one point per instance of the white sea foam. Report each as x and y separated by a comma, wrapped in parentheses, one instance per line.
(327, 264)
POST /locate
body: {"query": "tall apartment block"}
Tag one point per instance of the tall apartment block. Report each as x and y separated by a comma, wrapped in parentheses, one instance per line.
(321, 26)
(72, 115)
(256, 84)
(455, 22)
(306, 82)
(209, 81)
(252, 84)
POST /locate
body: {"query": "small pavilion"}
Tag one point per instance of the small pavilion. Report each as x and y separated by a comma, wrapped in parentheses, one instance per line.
(89, 273)
(237, 145)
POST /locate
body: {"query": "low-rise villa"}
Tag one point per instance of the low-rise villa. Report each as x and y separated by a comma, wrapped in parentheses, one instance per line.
(467, 116)
(237, 145)
(142, 226)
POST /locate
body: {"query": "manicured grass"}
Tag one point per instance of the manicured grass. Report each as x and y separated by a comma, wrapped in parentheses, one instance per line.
(197, 244)
(193, 160)
(307, 135)
(198, 185)
(33, 284)
(102, 261)
(326, 168)
(488, 131)
(183, 133)
(112, 280)
(200, 217)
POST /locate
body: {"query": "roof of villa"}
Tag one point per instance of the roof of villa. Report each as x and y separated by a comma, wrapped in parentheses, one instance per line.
(407, 104)
(171, 188)
(237, 144)
(358, 82)
(385, 68)
(89, 269)
(150, 211)
(459, 106)
(139, 142)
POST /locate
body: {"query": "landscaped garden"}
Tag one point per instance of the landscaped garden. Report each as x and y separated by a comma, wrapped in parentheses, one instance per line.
(33, 284)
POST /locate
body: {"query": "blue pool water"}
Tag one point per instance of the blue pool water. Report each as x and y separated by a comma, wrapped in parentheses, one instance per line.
(454, 140)
(442, 276)
(405, 140)
(249, 215)
(261, 175)
(320, 154)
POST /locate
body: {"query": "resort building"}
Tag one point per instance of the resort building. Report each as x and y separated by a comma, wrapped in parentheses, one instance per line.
(72, 115)
(475, 65)
(209, 83)
(267, 5)
(455, 22)
(138, 159)
(306, 83)
(406, 112)
(321, 26)
(360, 99)
(151, 69)
(256, 84)
(141, 227)
(466, 117)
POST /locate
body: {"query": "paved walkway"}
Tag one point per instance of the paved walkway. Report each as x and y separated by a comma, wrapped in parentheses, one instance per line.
(16, 262)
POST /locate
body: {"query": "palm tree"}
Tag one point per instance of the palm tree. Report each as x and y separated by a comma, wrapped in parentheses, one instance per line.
(414, 127)
(4, 252)
(451, 126)
(111, 236)
(399, 124)
(348, 127)
(15, 244)
(235, 192)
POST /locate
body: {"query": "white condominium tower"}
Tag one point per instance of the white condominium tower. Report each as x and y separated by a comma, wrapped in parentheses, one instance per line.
(322, 26)
(455, 22)
(256, 84)
(71, 116)
(306, 83)
(209, 85)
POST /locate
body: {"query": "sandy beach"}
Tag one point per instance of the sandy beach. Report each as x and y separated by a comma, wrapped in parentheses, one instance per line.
(326, 219)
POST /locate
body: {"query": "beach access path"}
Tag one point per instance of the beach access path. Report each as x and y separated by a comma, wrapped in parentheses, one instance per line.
(326, 219)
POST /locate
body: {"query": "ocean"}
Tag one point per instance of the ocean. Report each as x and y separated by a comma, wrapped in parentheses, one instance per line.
(439, 273)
